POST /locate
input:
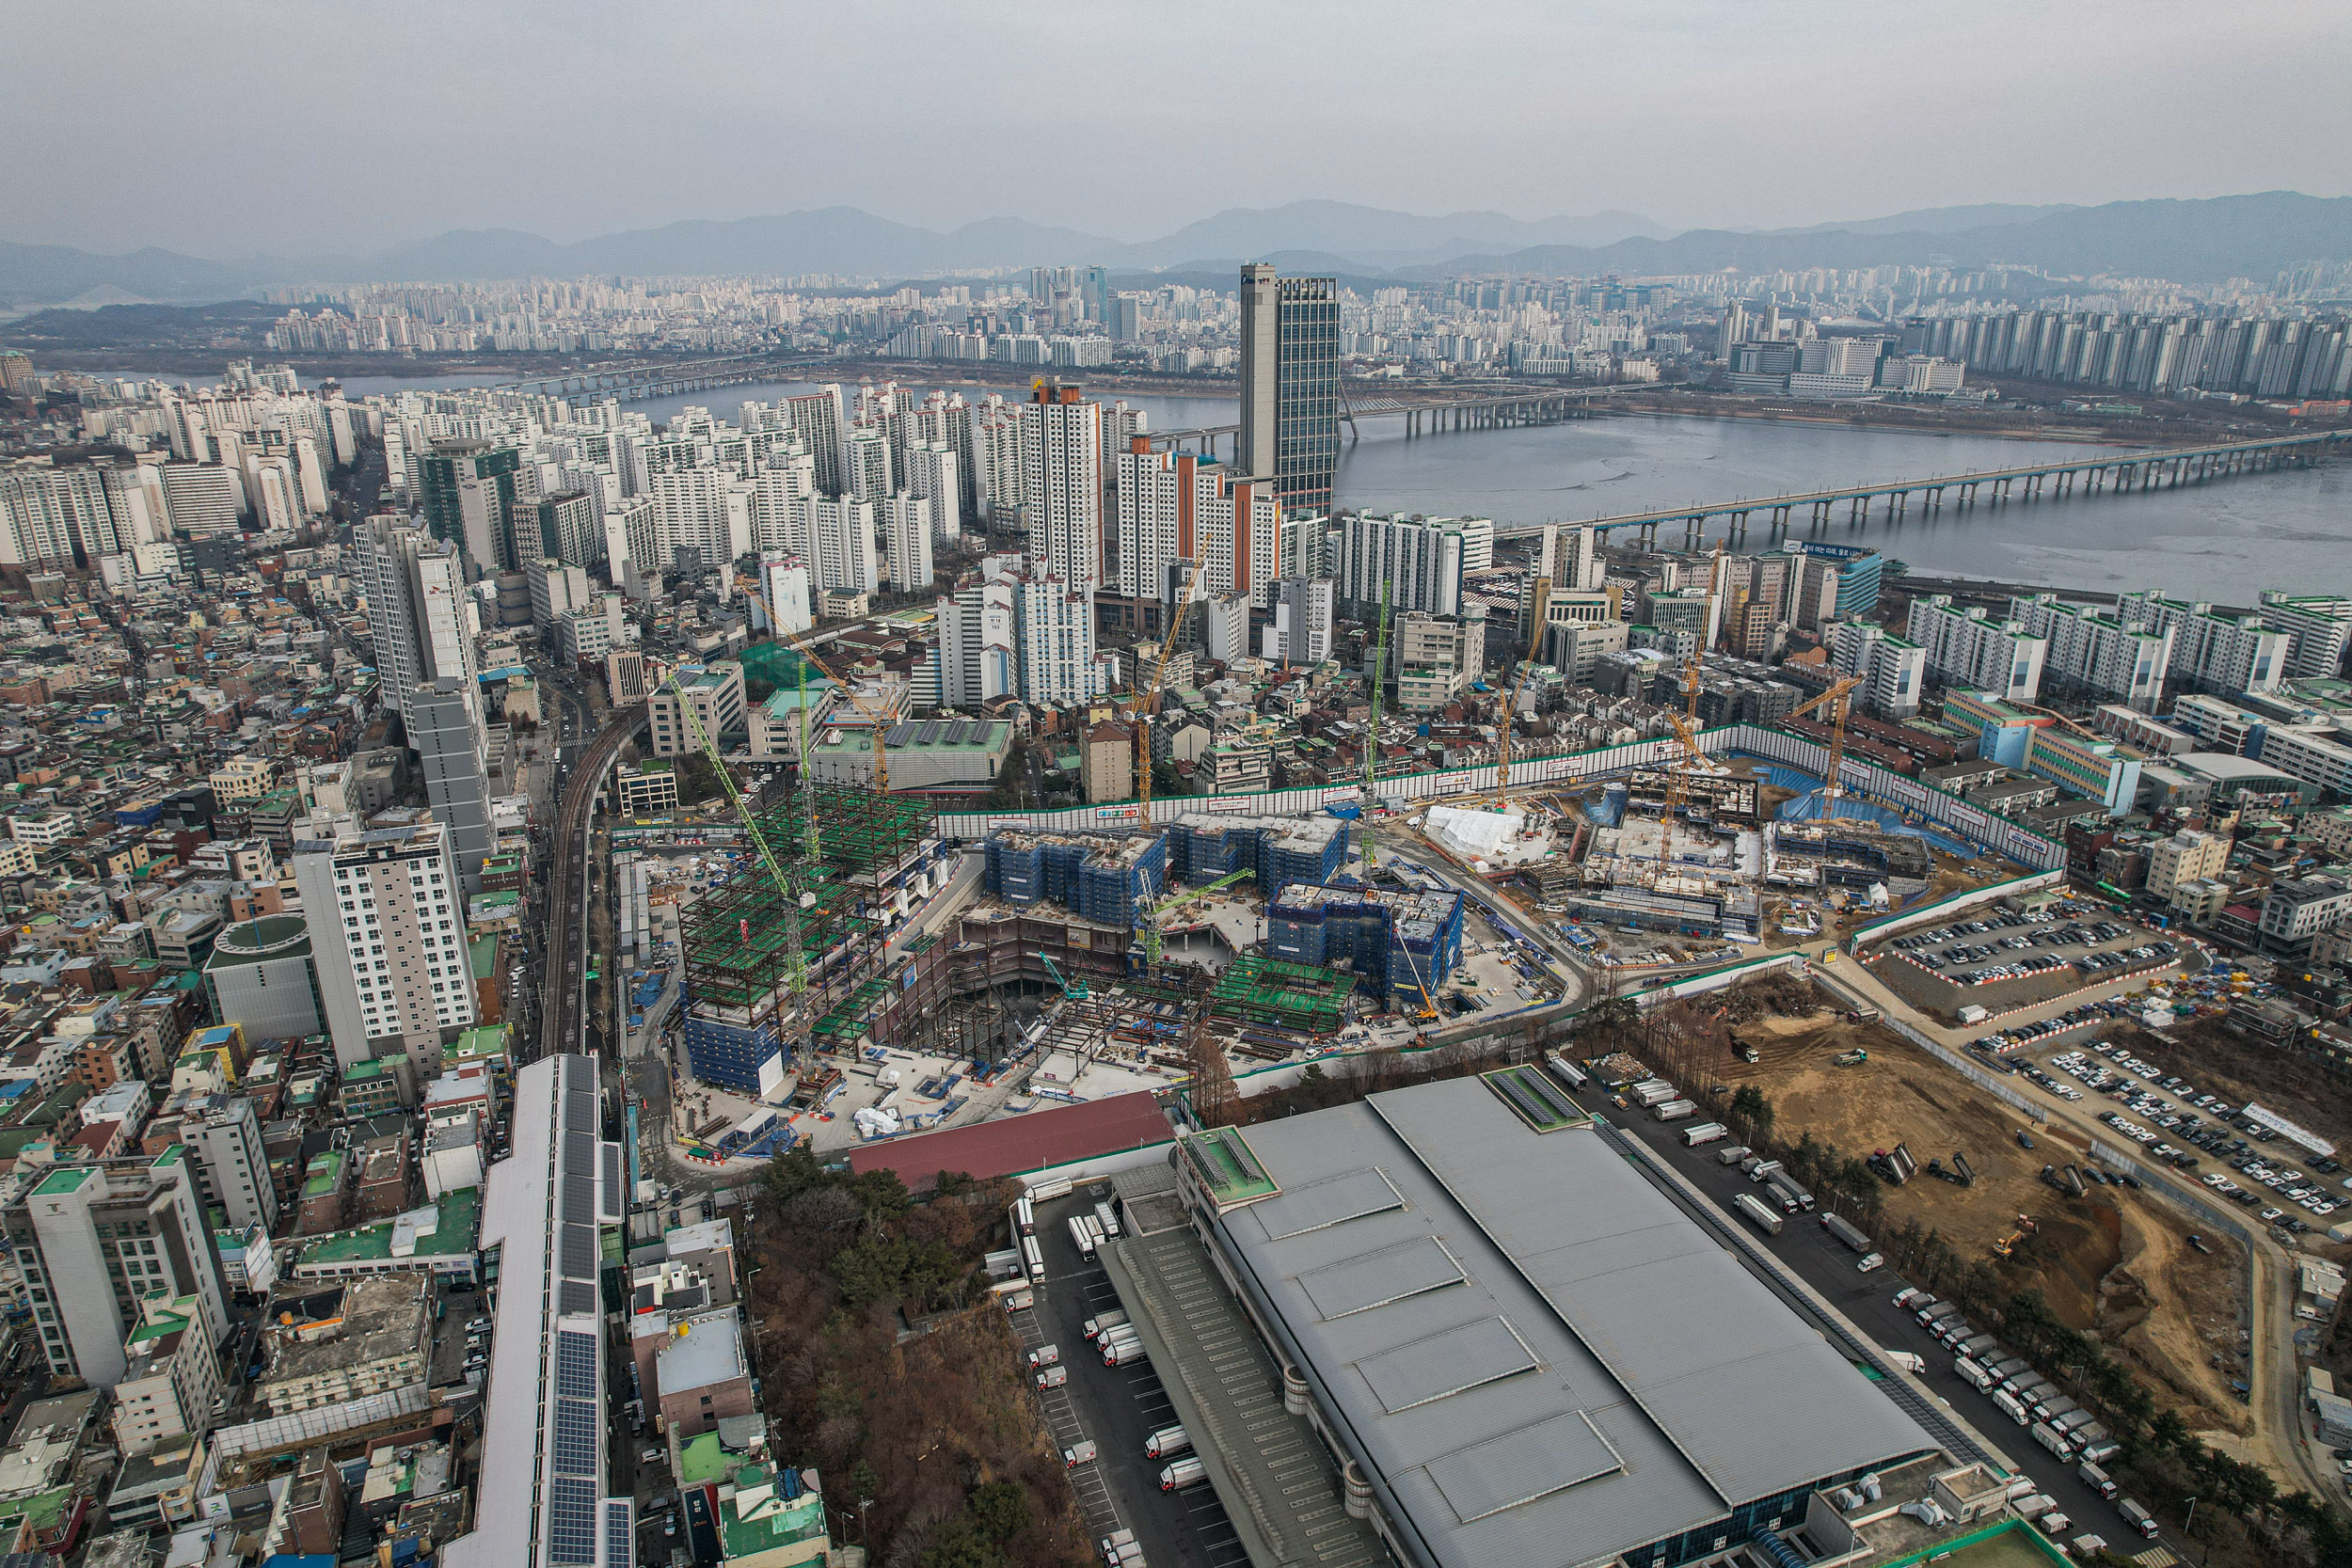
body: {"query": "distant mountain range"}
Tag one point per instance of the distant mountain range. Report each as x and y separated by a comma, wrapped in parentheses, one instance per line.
(2190, 242)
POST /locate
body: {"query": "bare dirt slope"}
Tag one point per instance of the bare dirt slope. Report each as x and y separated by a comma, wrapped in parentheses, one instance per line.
(2115, 1262)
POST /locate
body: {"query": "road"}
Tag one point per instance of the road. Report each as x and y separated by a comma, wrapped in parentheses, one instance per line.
(1867, 1302)
(562, 1018)
(2281, 1442)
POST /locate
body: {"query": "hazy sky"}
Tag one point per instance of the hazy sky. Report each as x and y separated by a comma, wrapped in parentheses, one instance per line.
(228, 127)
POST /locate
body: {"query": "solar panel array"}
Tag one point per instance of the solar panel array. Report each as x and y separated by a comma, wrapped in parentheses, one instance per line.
(575, 1364)
(576, 1437)
(572, 1520)
(620, 1531)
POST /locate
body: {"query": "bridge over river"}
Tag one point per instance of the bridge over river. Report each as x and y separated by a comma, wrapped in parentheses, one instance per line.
(2117, 473)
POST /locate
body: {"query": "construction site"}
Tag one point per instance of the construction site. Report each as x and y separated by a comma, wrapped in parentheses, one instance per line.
(1949, 1164)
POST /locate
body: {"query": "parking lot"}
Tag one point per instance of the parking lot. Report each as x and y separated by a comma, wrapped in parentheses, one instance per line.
(2002, 961)
(2160, 1113)
(1117, 1408)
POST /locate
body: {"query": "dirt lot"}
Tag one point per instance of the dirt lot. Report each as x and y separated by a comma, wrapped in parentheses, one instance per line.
(2115, 1263)
(2297, 1087)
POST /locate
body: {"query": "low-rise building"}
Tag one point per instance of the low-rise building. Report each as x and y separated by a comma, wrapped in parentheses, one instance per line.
(377, 1336)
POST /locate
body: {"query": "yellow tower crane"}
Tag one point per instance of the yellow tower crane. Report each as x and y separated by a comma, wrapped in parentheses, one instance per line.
(1838, 702)
(1138, 703)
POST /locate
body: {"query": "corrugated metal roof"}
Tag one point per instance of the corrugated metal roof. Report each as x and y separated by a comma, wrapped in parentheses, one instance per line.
(1696, 1388)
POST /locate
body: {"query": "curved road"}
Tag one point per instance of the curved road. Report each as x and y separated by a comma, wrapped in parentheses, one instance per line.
(562, 1019)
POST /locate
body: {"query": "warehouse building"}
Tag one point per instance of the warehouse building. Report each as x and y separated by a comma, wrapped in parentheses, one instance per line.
(1518, 1349)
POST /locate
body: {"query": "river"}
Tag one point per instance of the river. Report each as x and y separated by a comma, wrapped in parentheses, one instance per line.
(2224, 541)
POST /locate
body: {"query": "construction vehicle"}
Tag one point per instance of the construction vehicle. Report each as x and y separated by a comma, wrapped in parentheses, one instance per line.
(1852, 1058)
(1379, 673)
(795, 897)
(1074, 990)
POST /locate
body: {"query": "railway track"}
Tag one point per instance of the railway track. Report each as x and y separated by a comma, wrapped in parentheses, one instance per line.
(563, 1016)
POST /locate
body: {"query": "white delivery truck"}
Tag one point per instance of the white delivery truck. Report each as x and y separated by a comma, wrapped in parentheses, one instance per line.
(1185, 1472)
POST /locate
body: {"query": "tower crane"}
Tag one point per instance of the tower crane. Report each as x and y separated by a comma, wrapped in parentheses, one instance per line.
(1686, 728)
(1138, 702)
(1379, 663)
(1147, 914)
(796, 960)
(1838, 702)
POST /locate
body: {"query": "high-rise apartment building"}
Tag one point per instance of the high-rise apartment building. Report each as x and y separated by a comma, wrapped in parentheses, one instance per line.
(1894, 670)
(1021, 634)
(907, 539)
(1180, 507)
(1420, 560)
(387, 913)
(480, 521)
(556, 589)
(842, 537)
(1300, 634)
(2095, 655)
(1061, 487)
(445, 729)
(1290, 384)
(934, 472)
(785, 583)
(2226, 653)
(418, 612)
(204, 499)
(568, 528)
(94, 1241)
(1968, 649)
(224, 1139)
(2320, 625)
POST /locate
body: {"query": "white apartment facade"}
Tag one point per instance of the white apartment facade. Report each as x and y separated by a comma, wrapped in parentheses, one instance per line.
(1969, 650)
(387, 937)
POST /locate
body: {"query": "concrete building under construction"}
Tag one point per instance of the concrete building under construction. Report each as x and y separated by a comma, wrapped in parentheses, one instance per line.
(1203, 846)
(768, 968)
(1401, 945)
(1098, 877)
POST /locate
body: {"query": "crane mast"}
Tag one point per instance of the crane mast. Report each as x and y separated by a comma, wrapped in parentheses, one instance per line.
(796, 961)
(1371, 727)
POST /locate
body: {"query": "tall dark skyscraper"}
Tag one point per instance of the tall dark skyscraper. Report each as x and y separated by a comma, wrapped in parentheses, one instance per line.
(1290, 384)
